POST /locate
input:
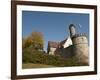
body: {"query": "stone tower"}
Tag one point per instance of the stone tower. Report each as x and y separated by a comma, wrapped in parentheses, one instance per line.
(72, 30)
(80, 45)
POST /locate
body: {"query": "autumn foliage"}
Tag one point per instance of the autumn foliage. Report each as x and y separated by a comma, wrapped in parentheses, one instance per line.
(35, 40)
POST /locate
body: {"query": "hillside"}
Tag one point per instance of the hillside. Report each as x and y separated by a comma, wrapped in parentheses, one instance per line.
(40, 59)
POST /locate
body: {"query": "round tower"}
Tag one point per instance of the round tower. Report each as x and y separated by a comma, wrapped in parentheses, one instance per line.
(80, 47)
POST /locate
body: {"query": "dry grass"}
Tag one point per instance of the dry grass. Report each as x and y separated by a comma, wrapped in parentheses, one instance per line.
(32, 65)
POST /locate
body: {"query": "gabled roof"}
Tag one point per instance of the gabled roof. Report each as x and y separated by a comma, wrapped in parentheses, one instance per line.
(63, 42)
(53, 44)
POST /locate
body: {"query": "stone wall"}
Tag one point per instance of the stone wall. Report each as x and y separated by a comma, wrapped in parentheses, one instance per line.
(81, 49)
(81, 52)
(65, 52)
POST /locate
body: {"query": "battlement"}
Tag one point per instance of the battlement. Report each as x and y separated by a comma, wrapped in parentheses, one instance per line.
(78, 35)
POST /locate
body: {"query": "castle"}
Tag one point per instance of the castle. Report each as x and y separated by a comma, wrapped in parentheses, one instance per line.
(74, 46)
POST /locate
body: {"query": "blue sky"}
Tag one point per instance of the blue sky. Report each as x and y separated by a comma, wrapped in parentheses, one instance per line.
(53, 25)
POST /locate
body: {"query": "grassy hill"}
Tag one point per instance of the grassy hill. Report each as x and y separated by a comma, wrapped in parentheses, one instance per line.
(38, 59)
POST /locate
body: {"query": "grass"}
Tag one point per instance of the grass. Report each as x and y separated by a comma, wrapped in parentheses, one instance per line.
(32, 65)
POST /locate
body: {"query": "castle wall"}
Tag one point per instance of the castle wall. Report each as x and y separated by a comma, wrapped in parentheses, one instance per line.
(65, 52)
(68, 52)
(81, 52)
(81, 49)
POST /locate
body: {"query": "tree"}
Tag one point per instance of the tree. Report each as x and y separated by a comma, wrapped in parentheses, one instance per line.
(35, 40)
(38, 40)
(26, 42)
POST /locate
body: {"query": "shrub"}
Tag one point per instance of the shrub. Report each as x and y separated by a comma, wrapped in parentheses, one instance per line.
(40, 57)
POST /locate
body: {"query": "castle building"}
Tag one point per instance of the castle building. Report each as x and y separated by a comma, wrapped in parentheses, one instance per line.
(74, 46)
(54, 46)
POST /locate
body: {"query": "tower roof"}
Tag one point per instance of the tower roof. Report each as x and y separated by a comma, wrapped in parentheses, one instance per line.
(71, 26)
(63, 42)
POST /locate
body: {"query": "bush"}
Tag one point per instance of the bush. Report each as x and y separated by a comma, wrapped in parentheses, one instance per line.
(39, 57)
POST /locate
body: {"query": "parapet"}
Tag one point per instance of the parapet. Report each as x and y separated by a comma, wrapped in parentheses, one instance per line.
(78, 35)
